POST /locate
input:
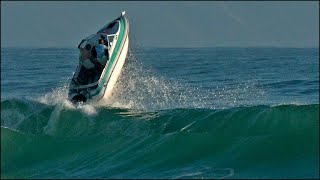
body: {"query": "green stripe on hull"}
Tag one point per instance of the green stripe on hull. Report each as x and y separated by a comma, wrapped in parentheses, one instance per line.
(113, 57)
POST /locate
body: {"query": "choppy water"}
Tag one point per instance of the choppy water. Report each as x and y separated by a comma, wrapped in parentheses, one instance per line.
(175, 113)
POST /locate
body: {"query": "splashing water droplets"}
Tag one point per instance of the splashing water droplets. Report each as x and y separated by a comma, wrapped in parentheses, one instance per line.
(140, 88)
(57, 95)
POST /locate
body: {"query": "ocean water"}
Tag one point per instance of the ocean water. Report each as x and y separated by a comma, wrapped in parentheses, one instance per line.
(175, 113)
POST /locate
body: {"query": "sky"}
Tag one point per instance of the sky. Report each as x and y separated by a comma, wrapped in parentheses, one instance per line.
(163, 23)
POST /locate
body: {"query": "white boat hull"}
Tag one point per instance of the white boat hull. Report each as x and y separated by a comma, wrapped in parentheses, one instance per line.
(117, 70)
(97, 90)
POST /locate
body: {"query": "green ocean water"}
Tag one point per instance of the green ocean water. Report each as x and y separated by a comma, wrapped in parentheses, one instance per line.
(176, 113)
(259, 141)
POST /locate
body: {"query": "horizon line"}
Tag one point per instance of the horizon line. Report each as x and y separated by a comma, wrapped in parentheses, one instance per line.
(139, 46)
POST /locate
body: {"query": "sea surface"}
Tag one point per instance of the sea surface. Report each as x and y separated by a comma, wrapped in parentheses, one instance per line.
(175, 113)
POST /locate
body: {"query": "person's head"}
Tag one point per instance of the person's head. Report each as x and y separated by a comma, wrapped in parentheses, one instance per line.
(101, 41)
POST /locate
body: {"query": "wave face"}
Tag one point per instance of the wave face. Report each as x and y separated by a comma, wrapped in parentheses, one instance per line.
(54, 141)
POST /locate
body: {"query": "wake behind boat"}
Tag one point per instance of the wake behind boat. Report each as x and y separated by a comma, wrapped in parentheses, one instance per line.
(96, 76)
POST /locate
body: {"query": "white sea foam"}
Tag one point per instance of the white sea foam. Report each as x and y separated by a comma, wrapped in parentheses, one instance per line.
(53, 120)
(55, 96)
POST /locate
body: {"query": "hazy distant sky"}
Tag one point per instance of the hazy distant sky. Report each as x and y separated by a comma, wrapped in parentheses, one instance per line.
(164, 24)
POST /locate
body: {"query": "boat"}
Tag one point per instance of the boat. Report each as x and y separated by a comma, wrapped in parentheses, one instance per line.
(95, 77)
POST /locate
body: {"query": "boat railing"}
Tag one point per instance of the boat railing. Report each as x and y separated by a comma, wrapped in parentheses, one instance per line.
(110, 40)
(87, 85)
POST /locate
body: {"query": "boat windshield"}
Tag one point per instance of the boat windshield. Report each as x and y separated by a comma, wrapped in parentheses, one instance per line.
(92, 40)
(112, 28)
(82, 43)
